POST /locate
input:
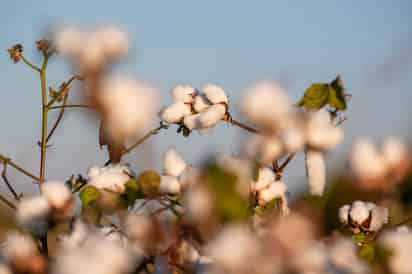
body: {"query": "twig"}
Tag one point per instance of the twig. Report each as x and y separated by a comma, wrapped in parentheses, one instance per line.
(18, 168)
(7, 202)
(30, 64)
(141, 140)
(404, 222)
(228, 118)
(286, 162)
(6, 180)
(59, 118)
(70, 106)
(62, 88)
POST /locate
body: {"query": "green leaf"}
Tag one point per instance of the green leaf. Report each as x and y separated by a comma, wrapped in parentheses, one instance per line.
(88, 195)
(149, 182)
(337, 94)
(360, 237)
(367, 252)
(133, 191)
(315, 97)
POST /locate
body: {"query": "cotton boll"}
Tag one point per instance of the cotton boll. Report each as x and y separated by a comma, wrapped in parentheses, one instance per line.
(192, 121)
(33, 213)
(292, 139)
(169, 185)
(320, 133)
(189, 177)
(175, 112)
(380, 217)
(212, 115)
(113, 40)
(215, 94)
(184, 93)
(394, 151)
(19, 245)
(56, 193)
(68, 41)
(265, 104)
(315, 171)
(365, 161)
(359, 212)
(344, 214)
(198, 204)
(76, 237)
(266, 176)
(93, 171)
(276, 189)
(173, 163)
(112, 177)
(201, 103)
(128, 106)
(265, 149)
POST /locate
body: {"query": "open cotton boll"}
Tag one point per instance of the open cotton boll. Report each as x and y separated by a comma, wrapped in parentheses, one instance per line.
(264, 149)
(112, 177)
(173, 163)
(276, 189)
(380, 216)
(169, 185)
(344, 214)
(212, 115)
(113, 41)
(292, 139)
(184, 93)
(266, 176)
(265, 104)
(175, 112)
(394, 151)
(366, 161)
(358, 212)
(320, 133)
(69, 41)
(201, 103)
(315, 171)
(56, 193)
(76, 237)
(192, 121)
(215, 94)
(18, 245)
(33, 214)
(128, 106)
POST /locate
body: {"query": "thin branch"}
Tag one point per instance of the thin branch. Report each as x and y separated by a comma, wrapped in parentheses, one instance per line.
(7, 202)
(228, 118)
(64, 86)
(141, 140)
(404, 222)
(17, 167)
(6, 181)
(70, 106)
(286, 162)
(58, 120)
(30, 64)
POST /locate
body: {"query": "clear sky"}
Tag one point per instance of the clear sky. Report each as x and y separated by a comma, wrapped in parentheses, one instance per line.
(231, 43)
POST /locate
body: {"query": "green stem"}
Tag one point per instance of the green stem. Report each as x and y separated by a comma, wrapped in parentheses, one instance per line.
(30, 64)
(44, 118)
(65, 86)
(18, 168)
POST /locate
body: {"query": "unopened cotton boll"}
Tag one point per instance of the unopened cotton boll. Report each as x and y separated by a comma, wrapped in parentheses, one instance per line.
(215, 94)
(184, 93)
(265, 104)
(365, 161)
(315, 171)
(173, 163)
(359, 212)
(201, 103)
(56, 193)
(212, 115)
(32, 214)
(169, 185)
(112, 177)
(192, 121)
(128, 106)
(266, 176)
(175, 112)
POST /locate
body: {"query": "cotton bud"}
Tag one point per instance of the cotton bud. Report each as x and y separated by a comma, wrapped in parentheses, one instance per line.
(215, 94)
(201, 103)
(184, 93)
(212, 115)
(363, 216)
(320, 133)
(266, 104)
(112, 177)
(192, 121)
(169, 185)
(266, 177)
(315, 171)
(33, 214)
(173, 163)
(175, 112)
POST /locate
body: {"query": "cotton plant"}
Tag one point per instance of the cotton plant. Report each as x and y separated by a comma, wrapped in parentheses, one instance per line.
(213, 218)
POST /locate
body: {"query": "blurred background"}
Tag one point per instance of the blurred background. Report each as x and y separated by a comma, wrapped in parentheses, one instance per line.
(230, 43)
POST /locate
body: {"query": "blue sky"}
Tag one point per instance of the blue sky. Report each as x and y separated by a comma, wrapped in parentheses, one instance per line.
(231, 43)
